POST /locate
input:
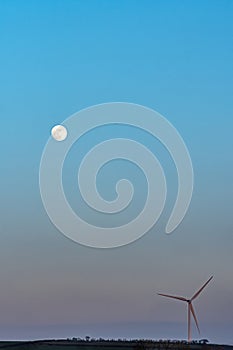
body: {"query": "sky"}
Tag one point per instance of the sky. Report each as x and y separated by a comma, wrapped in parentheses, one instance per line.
(58, 57)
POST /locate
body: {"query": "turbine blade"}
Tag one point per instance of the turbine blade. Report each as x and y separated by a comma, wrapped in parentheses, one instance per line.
(189, 323)
(201, 289)
(194, 316)
(173, 297)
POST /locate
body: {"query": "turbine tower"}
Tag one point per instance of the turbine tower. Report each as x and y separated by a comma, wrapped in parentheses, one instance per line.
(190, 306)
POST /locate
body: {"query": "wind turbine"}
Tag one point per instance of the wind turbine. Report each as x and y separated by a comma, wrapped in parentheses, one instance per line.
(190, 306)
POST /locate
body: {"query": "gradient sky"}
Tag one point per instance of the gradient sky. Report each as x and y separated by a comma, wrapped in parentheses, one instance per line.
(58, 57)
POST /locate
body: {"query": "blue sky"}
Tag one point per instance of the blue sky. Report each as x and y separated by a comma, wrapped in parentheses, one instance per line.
(58, 57)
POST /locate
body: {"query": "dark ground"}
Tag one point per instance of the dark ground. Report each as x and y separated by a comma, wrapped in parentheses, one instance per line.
(74, 344)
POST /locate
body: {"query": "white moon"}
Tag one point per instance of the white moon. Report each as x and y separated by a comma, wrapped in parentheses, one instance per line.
(59, 133)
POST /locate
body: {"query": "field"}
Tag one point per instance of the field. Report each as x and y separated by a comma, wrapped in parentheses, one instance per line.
(109, 345)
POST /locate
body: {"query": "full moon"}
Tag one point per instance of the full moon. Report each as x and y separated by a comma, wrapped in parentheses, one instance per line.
(59, 132)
